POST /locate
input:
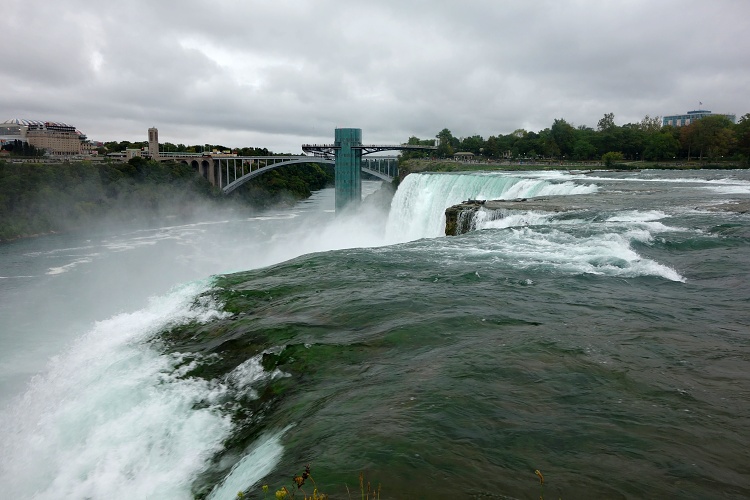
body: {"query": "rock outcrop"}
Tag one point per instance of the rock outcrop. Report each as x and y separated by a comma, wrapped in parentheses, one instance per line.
(459, 218)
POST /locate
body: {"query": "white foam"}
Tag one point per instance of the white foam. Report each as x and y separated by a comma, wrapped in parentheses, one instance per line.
(487, 219)
(547, 247)
(729, 186)
(418, 208)
(257, 463)
(249, 373)
(67, 267)
(638, 216)
(113, 418)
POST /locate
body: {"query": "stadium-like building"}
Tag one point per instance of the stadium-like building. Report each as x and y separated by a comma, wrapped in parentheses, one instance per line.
(56, 138)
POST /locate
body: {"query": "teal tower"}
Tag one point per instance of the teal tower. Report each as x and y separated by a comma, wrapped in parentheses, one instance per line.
(348, 144)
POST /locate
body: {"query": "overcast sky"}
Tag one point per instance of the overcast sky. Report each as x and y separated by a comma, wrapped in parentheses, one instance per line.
(279, 73)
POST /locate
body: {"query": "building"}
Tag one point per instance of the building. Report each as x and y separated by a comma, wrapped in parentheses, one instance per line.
(463, 156)
(10, 132)
(56, 138)
(691, 116)
(153, 143)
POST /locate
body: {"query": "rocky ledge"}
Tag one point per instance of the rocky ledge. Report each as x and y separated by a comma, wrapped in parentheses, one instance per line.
(741, 207)
(458, 218)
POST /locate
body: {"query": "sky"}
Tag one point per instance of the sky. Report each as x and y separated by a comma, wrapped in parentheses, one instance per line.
(280, 73)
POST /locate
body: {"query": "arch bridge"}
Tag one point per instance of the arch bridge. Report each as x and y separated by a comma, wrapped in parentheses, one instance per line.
(229, 172)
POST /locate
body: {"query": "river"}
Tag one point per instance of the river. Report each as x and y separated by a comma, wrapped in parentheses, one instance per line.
(605, 346)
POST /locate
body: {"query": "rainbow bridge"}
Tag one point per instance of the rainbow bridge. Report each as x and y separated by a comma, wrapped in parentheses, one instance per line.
(229, 172)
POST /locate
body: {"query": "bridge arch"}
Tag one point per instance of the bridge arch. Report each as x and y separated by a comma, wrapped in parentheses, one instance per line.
(255, 173)
(384, 168)
(379, 175)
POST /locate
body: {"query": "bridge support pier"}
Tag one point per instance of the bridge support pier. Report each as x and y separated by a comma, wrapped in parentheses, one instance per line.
(348, 167)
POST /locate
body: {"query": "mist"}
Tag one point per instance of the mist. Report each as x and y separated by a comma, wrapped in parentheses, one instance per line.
(130, 255)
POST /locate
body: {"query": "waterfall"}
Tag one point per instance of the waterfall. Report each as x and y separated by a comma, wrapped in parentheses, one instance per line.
(418, 208)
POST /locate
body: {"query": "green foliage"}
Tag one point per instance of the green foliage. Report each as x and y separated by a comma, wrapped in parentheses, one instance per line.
(651, 125)
(416, 141)
(43, 198)
(290, 493)
(367, 490)
(115, 147)
(22, 149)
(611, 158)
(607, 122)
(286, 184)
(473, 144)
(712, 137)
(742, 137)
(446, 142)
(583, 150)
(563, 136)
(661, 146)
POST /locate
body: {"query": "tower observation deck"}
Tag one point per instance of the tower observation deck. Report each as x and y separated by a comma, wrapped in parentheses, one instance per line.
(347, 150)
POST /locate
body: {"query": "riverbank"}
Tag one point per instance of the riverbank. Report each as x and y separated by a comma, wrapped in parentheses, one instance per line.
(38, 199)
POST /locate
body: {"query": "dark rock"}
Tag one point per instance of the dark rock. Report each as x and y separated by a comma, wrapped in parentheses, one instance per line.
(459, 218)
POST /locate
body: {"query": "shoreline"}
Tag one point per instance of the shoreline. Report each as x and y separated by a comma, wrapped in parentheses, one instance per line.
(29, 236)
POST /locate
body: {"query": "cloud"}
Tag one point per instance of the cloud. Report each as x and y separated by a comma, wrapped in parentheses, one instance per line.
(276, 74)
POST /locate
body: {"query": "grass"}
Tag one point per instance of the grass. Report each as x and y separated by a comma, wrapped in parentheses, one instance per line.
(366, 490)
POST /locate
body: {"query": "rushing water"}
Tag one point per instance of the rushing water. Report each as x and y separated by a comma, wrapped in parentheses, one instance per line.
(605, 345)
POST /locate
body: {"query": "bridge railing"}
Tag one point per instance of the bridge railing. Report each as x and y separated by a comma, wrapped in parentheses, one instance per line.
(181, 155)
(386, 166)
(233, 168)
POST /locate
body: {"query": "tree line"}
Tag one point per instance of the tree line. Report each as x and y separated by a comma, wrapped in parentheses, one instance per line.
(168, 147)
(39, 198)
(713, 138)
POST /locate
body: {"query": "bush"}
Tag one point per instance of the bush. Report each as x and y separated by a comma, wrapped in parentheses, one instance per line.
(612, 158)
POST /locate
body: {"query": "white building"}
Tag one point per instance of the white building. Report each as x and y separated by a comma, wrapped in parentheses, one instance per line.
(691, 116)
(56, 138)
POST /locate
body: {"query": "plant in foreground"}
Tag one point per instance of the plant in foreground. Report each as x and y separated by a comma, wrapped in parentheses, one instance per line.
(367, 492)
(285, 493)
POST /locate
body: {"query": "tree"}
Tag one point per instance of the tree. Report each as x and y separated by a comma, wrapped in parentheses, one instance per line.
(711, 135)
(606, 122)
(416, 141)
(22, 148)
(742, 136)
(651, 125)
(526, 145)
(564, 136)
(445, 143)
(474, 144)
(631, 140)
(661, 146)
(583, 150)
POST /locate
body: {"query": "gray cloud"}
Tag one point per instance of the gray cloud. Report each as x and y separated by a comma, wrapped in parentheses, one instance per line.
(276, 74)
